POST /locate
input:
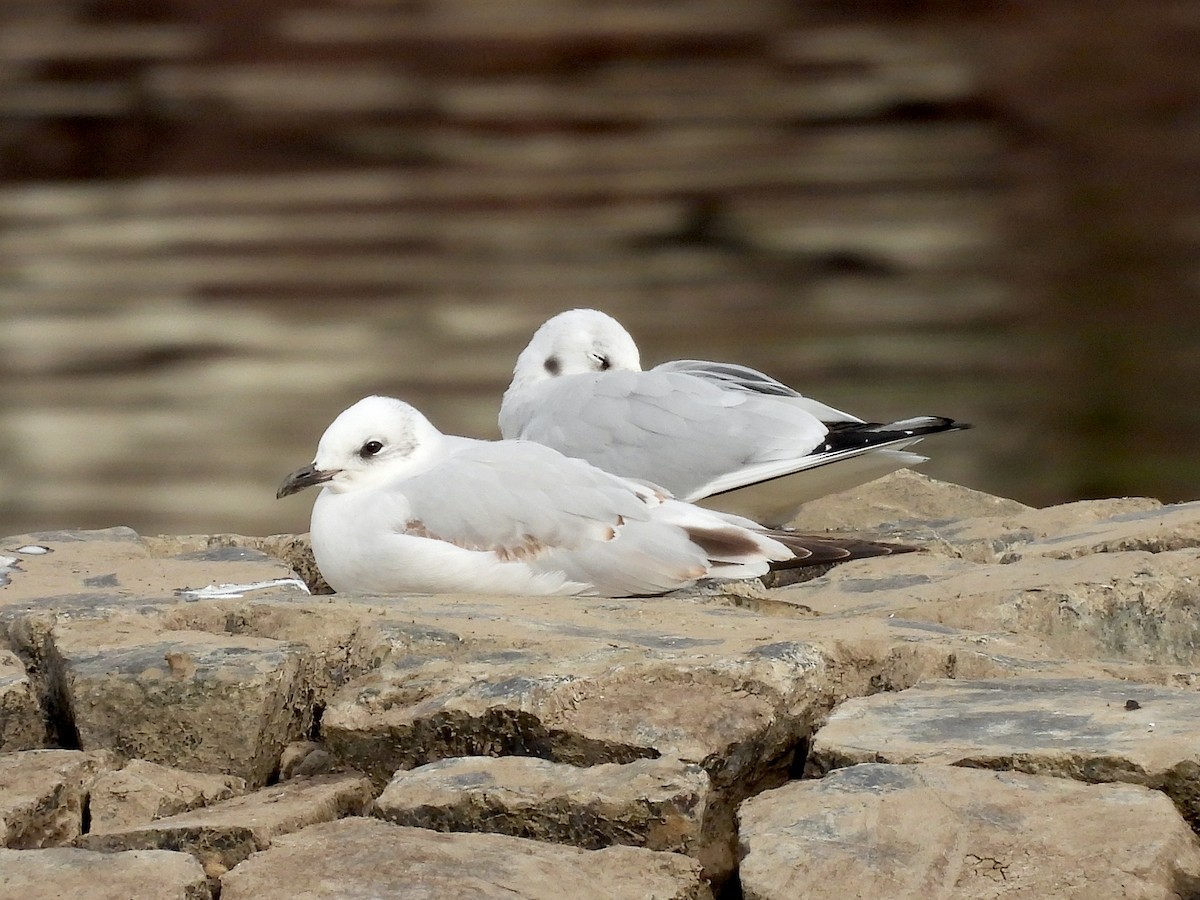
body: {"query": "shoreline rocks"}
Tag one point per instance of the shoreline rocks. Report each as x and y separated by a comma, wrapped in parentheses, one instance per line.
(202, 701)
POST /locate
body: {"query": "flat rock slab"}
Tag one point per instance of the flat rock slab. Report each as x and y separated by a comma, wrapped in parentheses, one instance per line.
(55, 568)
(900, 501)
(1133, 606)
(654, 803)
(43, 794)
(358, 857)
(22, 725)
(953, 520)
(142, 791)
(936, 831)
(65, 874)
(1090, 730)
(224, 834)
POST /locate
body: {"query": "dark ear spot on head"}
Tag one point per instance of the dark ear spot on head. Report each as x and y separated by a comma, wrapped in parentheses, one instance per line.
(553, 366)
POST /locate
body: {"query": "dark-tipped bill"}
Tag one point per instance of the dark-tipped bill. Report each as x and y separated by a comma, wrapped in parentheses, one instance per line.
(302, 478)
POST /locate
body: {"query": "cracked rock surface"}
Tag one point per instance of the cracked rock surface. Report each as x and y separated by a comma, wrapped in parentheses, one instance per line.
(168, 699)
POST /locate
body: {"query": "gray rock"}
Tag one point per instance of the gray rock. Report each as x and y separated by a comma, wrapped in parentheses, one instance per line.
(654, 803)
(1092, 730)
(43, 794)
(65, 873)
(918, 831)
(143, 791)
(301, 759)
(224, 834)
(368, 858)
(22, 726)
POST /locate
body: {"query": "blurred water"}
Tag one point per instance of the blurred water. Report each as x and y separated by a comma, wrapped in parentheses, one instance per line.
(217, 230)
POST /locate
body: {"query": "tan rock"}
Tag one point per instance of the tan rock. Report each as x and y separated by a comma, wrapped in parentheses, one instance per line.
(366, 857)
(952, 520)
(143, 791)
(22, 725)
(590, 681)
(43, 794)
(901, 501)
(1094, 730)
(114, 564)
(65, 873)
(301, 759)
(654, 803)
(203, 702)
(225, 833)
(917, 831)
(1154, 529)
(1136, 606)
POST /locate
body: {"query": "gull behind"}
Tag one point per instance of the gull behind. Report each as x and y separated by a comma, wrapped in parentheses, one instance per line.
(405, 508)
(719, 434)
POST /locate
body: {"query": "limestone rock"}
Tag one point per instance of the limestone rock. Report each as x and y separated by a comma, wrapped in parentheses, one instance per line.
(368, 858)
(302, 759)
(654, 803)
(199, 701)
(115, 564)
(43, 794)
(898, 502)
(910, 831)
(63, 873)
(224, 834)
(22, 726)
(1154, 529)
(1092, 730)
(1136, 606)
(143, 791)
(955, 521)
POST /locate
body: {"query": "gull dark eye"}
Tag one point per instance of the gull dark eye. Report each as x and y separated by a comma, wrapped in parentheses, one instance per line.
(553, 366)
(603, 363)
(369, 449)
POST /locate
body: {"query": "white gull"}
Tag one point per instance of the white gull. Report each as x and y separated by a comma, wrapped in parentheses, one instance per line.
(719, 434)
(405, 508)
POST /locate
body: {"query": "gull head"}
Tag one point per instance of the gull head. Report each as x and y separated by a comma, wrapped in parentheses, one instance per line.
(576, 342)
(374, 441)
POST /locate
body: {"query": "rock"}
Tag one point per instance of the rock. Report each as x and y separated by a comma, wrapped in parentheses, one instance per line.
(900, 501)
(1154, 529)
(225, 833)
(919, 830)
(301, 759)
(199, 701)
(295, 550)
(22, 726)
(68, 873)
(654, 803)
(955, 521)
(1136, 606)
(595, 681)
(115, 564)
(43, 794)
(368, 858)
(1071, 728)
(143, 791)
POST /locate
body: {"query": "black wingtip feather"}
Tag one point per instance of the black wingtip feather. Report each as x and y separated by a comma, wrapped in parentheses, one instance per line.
(815, 550)
(852, 435)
